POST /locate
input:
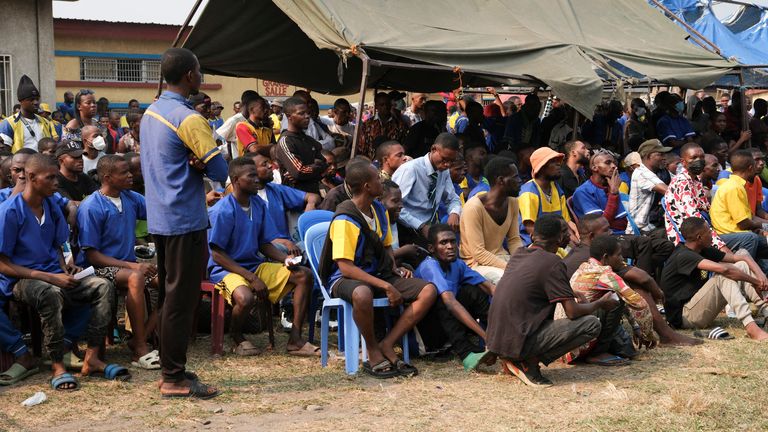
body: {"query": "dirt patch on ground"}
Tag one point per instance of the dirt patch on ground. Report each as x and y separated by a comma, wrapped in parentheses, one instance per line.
(716, 386)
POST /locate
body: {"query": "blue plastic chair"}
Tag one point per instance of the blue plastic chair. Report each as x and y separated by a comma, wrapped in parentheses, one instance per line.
(314, 240)
(624, 198)
(310, 218)
(306, 220)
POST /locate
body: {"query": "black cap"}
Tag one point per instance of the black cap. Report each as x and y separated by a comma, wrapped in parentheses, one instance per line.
(27, 89)
(396, 95)
(197, 99)
(69, 148)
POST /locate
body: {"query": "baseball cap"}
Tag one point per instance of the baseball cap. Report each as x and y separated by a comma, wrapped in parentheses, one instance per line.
(541, 156)
(632, 159)
(69, 148)
(276, 102)
(652, 146)
(44, 107)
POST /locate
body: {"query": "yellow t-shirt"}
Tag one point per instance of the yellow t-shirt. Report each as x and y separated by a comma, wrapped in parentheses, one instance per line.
(730, 206)
(452, 120)
(246, 134)
(624, 188)
(276, 126)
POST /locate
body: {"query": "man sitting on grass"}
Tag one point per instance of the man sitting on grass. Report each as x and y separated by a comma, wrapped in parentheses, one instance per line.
(241, 230)
(464, 294)
(590, 227)
(521, 329)
(694, 300)
(107, 222)
(593, 279)
(358, 263)
(32, 267)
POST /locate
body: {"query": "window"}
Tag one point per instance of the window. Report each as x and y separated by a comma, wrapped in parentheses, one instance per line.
(119, 70)
(6, 85)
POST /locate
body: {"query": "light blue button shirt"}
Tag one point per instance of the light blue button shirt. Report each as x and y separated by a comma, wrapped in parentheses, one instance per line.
(413, 179)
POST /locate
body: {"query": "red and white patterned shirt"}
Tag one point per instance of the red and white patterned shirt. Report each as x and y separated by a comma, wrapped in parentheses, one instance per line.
(686, 197)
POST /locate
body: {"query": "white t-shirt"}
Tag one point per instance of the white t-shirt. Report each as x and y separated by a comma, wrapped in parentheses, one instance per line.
(90, 164)
(30, 139)
(118, 202)
(263, 195)
(641, 197)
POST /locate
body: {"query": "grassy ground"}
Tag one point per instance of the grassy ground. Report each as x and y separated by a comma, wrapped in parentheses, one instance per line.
(715, 386)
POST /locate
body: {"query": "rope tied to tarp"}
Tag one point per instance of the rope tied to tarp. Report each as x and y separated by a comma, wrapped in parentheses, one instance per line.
(344, 55)
(460, 78)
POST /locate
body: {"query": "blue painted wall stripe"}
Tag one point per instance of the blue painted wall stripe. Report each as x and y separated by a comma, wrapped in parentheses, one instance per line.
(62, 53)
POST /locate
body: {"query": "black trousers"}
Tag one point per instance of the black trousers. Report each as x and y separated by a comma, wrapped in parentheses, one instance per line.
(609, 324)
(554, 338)
(180, 267)
(648, 251)
(475, 301)
(407, 235)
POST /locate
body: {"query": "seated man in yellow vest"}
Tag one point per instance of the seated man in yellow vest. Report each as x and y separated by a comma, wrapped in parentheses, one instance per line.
(26, 128)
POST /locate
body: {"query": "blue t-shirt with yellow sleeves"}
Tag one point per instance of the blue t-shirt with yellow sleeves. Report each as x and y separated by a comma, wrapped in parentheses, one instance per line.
(239, 233)
(172, 132)
(533, 203)
(348, 243)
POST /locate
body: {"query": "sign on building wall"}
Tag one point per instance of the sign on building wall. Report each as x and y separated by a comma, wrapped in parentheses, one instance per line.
(272, 88)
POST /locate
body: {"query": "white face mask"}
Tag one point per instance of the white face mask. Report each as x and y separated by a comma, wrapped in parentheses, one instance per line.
(98, 143)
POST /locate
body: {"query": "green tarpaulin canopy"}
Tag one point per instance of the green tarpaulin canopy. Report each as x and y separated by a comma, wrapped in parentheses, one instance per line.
(560, 43)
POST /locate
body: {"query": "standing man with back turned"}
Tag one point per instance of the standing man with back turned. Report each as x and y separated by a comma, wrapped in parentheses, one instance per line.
(177, 151)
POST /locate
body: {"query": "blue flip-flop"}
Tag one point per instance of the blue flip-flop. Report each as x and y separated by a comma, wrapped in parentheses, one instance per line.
(65, 378)
(113, 372)
(610, 361)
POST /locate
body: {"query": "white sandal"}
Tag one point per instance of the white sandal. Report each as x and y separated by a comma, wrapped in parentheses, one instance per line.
(149, 361)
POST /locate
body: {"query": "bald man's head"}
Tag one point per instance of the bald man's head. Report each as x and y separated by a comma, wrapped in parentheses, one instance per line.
(593, 225)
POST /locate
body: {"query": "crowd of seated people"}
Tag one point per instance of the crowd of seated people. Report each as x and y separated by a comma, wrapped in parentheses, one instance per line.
(501, 236)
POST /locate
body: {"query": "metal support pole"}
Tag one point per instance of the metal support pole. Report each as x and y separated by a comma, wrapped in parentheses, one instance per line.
(178, 38)
(690, 29)
(744, 107)
(575, 125)
(363, 88)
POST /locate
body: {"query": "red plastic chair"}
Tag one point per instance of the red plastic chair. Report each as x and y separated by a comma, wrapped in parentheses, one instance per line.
(217, 317)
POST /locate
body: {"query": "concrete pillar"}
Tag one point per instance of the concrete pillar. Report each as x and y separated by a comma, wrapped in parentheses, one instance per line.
(28, 38)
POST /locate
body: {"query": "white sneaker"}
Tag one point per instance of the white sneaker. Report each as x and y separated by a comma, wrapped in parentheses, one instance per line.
(287, 325)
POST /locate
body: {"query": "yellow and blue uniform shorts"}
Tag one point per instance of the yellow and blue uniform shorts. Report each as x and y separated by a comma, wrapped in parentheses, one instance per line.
(274, 275)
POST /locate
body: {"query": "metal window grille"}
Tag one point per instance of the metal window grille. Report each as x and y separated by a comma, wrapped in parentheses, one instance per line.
(6, 85)
(119, 70)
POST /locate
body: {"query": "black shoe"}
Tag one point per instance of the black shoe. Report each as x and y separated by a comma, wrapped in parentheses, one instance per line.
(531, 376)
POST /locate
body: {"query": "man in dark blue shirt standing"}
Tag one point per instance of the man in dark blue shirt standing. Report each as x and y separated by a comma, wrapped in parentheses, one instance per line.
(177, 150)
